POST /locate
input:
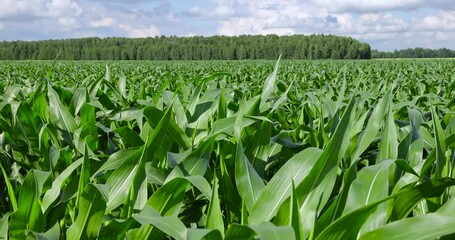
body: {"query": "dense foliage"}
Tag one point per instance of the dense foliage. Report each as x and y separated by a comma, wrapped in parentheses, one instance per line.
(416, 53)
(227, 149)
(190, 48)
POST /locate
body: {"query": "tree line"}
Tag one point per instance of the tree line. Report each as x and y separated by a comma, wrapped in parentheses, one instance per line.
(416, 53)
(315, 46)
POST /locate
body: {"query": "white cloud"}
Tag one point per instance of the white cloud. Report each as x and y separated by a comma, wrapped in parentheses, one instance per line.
(277, 17)
(221, 9)
(58, 8)
(42, 13)
(239, 26)
(140, 32)
(105, 22)
(68, 23)
(126, 1)
(23, 10)
(380, 23)
(368, 5)
(443, 21)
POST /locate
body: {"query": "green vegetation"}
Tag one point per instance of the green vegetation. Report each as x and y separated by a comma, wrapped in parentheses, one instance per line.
(227, 149)
(416, 53)
(189, 48)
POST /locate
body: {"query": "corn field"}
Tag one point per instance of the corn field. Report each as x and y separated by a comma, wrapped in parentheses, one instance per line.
(227, 150)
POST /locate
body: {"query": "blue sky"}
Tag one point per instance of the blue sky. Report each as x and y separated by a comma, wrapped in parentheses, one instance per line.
(385, 25)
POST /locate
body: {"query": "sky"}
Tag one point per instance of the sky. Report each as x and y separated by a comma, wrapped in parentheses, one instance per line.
(385, 24)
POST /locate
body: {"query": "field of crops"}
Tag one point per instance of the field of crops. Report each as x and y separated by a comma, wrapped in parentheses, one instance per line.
(227, 150)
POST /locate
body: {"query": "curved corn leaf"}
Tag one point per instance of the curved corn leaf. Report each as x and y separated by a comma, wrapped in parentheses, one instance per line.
(92, 205)
(28, 216)
(430, 226)
(214, 215)
(389, 142)
(52, 194)
(138, 190)
(4, 226)
(167, 200)
(269, 85)
(59, 114)
(205, 234)
(296, 219)
(441, 167)
(405, 201)
(264, 231)
(11, 194)
(249, 183)
(170, 225)
(372, 128)
(408, 198)
(154, 115)
(279, 187)
(371, 185)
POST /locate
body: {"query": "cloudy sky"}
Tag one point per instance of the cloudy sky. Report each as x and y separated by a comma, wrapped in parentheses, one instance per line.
(384, 24)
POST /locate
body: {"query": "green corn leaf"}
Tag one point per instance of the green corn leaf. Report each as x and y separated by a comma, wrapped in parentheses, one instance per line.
(338, 230)
(131, 174)
(405, 167)
(296, 219)
(269, 85)
(372, 128)
(389, 142)
(282, 98)
(130, 137)
(371, 185)
(117, 228)
(167, 200)
(120, 180)
(92, 205)
(154, 115)
(249, 183)
(196, 163)
(29, 120)
(405, 200)
(115, 160)
(59, 113)
(239, 232)
(430, 226)
(84, 177)
(441, 168)
(138, 186)
(179, 111)
(409, 198)
(313, 190)
(11, 194)
(121, 84)
(53, 233)
(226, 125)
(279, 187)
(264, 231)
(205, 234)
(222, 109)
(4, 225)
(28, 216)
(337, 207)
(52, 194)
(79, 99)
(170, 225)
(214, 215)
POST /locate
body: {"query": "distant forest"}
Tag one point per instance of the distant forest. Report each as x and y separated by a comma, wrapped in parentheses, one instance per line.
(416, 53)
(190, 48)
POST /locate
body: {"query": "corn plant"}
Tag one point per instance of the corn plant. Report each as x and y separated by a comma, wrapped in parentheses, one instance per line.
(227, 150)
